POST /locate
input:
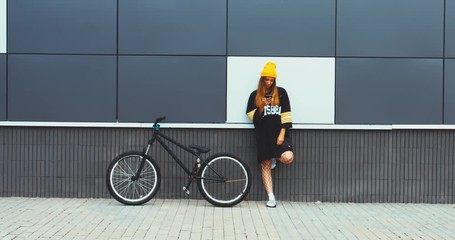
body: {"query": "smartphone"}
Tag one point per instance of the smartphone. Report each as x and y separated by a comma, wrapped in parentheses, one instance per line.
(268, 95)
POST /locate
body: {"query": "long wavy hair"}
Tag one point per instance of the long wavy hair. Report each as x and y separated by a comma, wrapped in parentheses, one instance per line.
(262, 91)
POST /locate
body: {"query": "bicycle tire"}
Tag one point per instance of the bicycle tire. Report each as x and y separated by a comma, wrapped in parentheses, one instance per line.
(123, 188)
(235, 185)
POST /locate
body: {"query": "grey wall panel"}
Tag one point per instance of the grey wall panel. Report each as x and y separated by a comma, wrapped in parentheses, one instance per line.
(281, 28)
(3, 87)
(385, 91)
(390, 28)
(55, 26)
(450, 29)
(62, 88)
(172, 27)
(185, 89)
(449, 91)
(330, 165)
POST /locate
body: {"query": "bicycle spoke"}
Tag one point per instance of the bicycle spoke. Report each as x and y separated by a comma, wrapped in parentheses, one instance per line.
(123, 180)
(136, 191)
(121, 170)
(131, 170)
(237, 180)
(124, 189)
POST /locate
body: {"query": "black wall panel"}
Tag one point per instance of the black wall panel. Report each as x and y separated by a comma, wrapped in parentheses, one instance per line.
(388, 91)
(390, 28)
(281, 28)
(185, 89)
(411, 166)
(62, 88)
(449, 91)
(56, 26)
(450, 29)
(3, 89)
(172, 27)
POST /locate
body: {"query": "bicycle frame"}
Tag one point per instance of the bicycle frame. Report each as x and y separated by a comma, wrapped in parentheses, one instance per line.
(192, 175)
(158, 136)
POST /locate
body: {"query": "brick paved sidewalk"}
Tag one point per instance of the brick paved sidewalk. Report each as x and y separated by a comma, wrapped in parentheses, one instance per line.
(53, 218)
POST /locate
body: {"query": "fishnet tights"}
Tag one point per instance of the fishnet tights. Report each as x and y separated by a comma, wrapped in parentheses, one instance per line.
(286, 158)
(267, 175)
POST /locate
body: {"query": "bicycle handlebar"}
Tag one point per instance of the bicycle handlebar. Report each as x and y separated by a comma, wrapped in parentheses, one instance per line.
(159, 120)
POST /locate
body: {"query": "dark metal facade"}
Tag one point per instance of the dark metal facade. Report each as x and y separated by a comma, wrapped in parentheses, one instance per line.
(410, 166)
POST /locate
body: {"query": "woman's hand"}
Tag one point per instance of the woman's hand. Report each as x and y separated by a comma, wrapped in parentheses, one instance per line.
(266, 101)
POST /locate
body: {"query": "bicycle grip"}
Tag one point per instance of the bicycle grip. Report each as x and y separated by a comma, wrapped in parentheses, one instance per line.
(159, 119)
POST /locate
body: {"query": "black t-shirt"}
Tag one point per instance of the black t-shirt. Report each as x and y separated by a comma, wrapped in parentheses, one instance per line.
(268, 124)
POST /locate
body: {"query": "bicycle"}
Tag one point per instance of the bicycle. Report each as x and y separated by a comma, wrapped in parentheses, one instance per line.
(134, 177)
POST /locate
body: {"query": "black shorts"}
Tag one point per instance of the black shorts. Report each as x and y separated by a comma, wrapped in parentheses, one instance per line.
(286, 146)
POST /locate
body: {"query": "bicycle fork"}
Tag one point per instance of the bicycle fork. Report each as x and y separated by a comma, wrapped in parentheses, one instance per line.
(141, 166)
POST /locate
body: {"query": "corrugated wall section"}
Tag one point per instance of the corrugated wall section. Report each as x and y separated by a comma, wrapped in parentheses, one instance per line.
(330, 165)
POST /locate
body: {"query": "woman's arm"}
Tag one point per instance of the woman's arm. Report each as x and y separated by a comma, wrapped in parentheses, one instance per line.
(280, 138)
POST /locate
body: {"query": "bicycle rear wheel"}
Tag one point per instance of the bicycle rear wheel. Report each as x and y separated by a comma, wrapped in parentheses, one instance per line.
(225, 180)
(127, 190)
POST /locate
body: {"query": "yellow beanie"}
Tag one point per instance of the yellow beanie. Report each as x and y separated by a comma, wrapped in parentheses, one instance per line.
(269, 70)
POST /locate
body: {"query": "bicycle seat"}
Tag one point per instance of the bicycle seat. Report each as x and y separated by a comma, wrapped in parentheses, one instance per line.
(200, 149)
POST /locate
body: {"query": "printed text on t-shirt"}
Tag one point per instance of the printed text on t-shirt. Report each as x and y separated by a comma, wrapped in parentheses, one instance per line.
(272, 110)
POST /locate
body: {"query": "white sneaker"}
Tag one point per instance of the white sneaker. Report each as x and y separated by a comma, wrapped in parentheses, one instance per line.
(273, 163)
(271, 204)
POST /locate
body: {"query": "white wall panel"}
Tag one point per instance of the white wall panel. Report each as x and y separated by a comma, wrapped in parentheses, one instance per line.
(2, 26)
(310, 83)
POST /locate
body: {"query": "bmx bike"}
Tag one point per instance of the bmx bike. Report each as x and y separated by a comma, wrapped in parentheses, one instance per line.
(134, 177)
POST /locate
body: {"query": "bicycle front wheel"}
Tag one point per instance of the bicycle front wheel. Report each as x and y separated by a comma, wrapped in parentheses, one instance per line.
(125, 186)
(224, 181)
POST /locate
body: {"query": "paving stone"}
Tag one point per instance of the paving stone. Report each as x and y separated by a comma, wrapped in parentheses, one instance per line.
(53, 218)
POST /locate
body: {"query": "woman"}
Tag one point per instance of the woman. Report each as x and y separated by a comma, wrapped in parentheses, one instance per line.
(270, 110)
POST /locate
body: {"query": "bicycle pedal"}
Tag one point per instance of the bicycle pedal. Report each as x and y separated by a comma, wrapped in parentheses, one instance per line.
(187, 191)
